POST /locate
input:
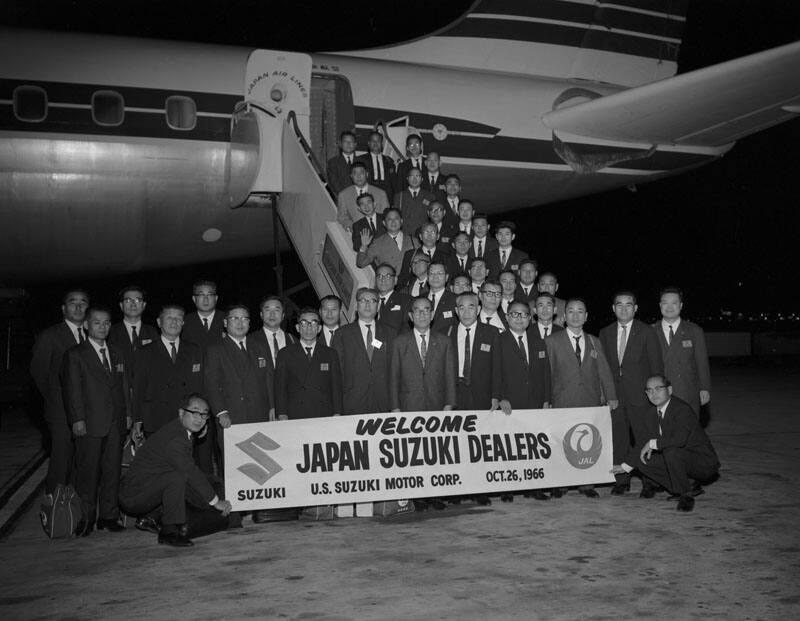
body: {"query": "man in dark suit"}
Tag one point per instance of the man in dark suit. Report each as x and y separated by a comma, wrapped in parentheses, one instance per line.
(98, 408)
(432, 178)
(579, 373)
(413, 202)
(491, 313)
(683, 349)
(544, 307)
(671, 446)
(633, 354)
(330, 312)
(443, 301)
(271, 336)
(452, 196)
(481, 242)
(131, 334)
(422, 366)
(414, 159)
(338, 168)
(393, 306)
(308, 378)
(237, 374)
(526, 288)
(205, 326)
(169, 369)
(445, 230)
(458, 261)
(363, 350)
(505, 256)
(46, 363)
(380, 167)
(413, 277)
(164, 476)
(370, 226)
(347, 209)
(508, 287)
(435, 251)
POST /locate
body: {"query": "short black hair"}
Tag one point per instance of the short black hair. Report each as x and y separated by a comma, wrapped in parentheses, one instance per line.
(676, 290)
(505, 224)
(271, 298)
(329, 298)
(624, 292)
(129, 288)
(204, 283)
(69, 292)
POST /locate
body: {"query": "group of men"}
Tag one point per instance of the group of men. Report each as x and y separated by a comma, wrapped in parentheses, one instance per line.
(456, 318)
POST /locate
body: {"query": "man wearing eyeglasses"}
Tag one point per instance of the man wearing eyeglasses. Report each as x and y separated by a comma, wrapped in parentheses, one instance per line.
(308, 378)
(491, 313)
(163, 477)
(671, 447)
(131, 334)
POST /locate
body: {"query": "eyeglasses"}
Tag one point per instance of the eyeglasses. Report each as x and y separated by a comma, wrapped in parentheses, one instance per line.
(304, 323)
(133, 300)
(203, 415)
(519, 315)
(492, 294)
(238, 318)
(384, 276)
(655, 389)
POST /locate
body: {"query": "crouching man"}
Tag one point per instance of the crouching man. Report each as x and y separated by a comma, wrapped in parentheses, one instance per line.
(164, 475)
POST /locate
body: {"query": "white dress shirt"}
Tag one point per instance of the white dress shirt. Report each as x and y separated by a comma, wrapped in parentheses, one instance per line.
(524, 343)
(541, 328)
(460, 339)
(581, 340)
(167, 342)
(665, 327)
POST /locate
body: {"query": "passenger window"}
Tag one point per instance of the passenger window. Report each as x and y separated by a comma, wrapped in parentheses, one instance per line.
(108, 108)
(181, 113)
(30, 104)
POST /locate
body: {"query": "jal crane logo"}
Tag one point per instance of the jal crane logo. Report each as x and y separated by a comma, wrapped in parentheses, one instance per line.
(583, 445)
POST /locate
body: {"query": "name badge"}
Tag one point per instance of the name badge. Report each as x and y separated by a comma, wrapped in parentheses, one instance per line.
(426, 202)
(447, 314)
(445, 240)
(486, 347)
(196, 368)
(377, 344)
(120, 368)
(146, 341)
(396, 307)
(323, 366)
(262, 363)
(687, 343)
(515, 267)
(593, 353)
(542, 353)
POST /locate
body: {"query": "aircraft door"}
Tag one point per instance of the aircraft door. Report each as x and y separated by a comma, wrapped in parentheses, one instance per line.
(331, 114)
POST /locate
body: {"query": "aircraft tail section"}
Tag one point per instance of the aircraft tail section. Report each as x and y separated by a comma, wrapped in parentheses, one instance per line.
(622, 42)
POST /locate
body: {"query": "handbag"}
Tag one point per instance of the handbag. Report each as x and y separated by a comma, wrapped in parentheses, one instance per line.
(61, 512)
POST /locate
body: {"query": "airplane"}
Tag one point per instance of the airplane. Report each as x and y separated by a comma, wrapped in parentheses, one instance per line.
(122, 154)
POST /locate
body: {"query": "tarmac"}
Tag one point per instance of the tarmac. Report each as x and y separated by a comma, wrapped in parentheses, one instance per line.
(736, 556)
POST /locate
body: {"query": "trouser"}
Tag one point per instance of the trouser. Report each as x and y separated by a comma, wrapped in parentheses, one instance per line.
(62, 448)
(170, 491)
(206, 450)
(621, 439)
(97, 472)
(673, 467)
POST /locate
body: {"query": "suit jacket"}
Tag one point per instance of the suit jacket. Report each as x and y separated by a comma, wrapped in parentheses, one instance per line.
(413, 210)
(384, 249)
(445, 315)
(93, 395)
(514, 258)
(500, 315)
(438, 188)
(259, 337)
(585, 384)
(347, 209)
(161, 384)
(489, 244)
(454, 265)
(308, 388)
(395, 311)
(361, 224)
(680, 429)
(364, 381)
(448, 230)
(195, 331)
(239, 382)
(406, 165)
(118, 337)
(337, 172)
(534, 330)
(482, 380)
(525, 384)
(642, 358)
(519, 294)
(686, 362)
(46, 363)
(407, 290)
(166, 451)
(440, 255)
(389, 182)
(414, 388)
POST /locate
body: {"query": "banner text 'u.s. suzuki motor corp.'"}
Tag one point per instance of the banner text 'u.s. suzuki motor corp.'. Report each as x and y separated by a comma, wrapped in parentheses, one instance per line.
(372, 457)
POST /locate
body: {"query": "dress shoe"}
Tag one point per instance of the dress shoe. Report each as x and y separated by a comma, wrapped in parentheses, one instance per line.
(590, 492)
(536, 494)
(686, 503)
(147, 524)
(697, 490)
(647, 491)
(619, 489)
(507, 497)
(175, 539)
(111, 525)
(556, 492)
(483, 500)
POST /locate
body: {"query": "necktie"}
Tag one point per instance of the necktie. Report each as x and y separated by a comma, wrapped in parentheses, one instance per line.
(380, 306)
(372, 225)
(106, 364)
(275, 347)
(486, 319)
(578, 348)
(134, 338)
(660, 419)
(423, 349)
(480, 248)
(462, 264)
(349, 159)
(396, 239)
(205, 323)
(413, 194)
(522, 348)
(81, 337)
(308, 352)
(360, 191)
(241, 346)
(545, 331)
(671, 335)
(173, 353)
(433, 303)
(503, 258)
(467, 373)
(370, 348)
(330, 336)
(376, 166)
(623, 339)
(433, 181)
(453, 204)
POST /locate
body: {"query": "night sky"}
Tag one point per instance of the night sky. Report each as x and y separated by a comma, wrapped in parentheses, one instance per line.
(727, 233)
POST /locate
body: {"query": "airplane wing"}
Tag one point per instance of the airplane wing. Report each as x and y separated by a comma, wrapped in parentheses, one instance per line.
(712, 106)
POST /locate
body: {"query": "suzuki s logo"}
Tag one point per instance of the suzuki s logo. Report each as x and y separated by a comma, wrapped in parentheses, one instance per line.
(583, 445)
(256, 447)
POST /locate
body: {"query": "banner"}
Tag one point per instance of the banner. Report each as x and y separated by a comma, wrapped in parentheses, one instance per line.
(371, 457)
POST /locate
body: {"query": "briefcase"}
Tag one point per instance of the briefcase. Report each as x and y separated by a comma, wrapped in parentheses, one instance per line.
(388, 508)
(61, 512)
